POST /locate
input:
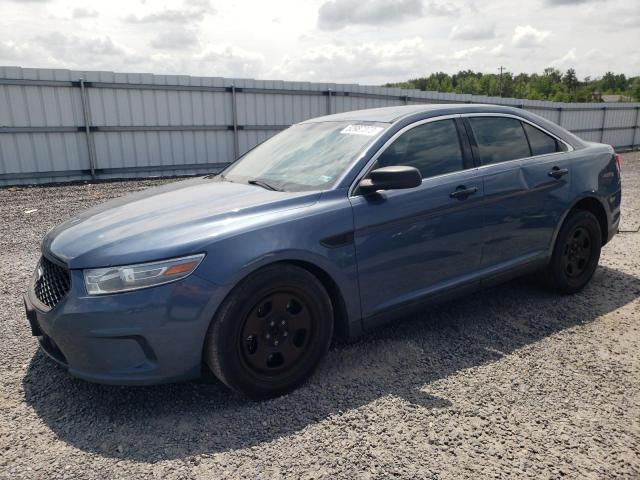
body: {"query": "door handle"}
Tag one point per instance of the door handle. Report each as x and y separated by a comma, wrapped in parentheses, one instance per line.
(463, 192)
(557, 172)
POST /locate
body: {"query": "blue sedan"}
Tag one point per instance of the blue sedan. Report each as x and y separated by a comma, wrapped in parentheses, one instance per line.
(330, 228)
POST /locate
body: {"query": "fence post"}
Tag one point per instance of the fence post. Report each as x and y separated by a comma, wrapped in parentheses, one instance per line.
(329, 112)
(560, 115)
(636, 127)
(234, 113)
(86, 114)
(604, 122)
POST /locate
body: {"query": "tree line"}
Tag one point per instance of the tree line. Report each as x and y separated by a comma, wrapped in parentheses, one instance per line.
(552, 85)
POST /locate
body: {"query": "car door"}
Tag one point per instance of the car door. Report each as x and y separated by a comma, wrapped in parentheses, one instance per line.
(415, 243)
(547, 175)
(525, 185)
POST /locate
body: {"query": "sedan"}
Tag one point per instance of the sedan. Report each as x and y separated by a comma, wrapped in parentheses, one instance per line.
(330, 228)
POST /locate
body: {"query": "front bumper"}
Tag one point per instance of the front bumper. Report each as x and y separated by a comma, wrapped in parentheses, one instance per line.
(143, 337)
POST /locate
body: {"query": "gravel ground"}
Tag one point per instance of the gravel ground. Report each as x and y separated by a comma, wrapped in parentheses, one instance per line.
(512, 382)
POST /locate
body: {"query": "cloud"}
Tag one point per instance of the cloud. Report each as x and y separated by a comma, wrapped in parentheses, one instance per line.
(470, 53)
(595, 55)
(201, 4)
(528, 36)
(337, 14)
(227, 60)
(167, 16)
(437, 9)
(624, 18)
(629, 22)
(497, 51)
(176, 39)
(58, 50)
(84, 13)
(194, 11)
(365, 61)
(375, 45)
(567, 2)
(11, 51)
(66, 46)
(567, 60)
(466, 53)
(473, 31)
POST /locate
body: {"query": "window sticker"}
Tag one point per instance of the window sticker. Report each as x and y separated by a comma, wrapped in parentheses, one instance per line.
(366, 130)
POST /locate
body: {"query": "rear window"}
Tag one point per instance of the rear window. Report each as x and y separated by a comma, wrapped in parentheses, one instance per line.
(499, 139)
(540, 142)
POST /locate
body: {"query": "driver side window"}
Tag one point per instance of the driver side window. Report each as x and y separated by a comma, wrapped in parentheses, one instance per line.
(433, 148)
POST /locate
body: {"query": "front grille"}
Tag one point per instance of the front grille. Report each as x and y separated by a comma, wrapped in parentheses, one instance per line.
(52, 282)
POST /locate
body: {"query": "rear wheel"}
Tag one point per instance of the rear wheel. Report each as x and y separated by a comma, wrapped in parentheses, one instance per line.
(576, 252)
(271, 332)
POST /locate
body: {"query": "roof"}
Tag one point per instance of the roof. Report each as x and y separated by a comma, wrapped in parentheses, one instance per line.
(393, 114)
(411, 113)
(615, 98)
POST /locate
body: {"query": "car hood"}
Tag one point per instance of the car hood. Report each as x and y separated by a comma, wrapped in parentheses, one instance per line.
(163, 222)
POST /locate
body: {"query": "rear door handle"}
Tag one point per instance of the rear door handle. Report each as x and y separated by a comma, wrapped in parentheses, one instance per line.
(463, 192)
(557, 172)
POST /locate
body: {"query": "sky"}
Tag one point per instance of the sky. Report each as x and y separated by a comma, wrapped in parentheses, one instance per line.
(368, 42)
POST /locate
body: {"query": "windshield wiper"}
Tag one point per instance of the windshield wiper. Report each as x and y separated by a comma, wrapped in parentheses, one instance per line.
(263, 184)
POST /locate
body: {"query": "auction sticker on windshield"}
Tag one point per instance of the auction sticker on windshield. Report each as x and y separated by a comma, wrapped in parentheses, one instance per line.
(366, 130)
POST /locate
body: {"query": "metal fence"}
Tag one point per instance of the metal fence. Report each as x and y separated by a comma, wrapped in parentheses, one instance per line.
(62, 125)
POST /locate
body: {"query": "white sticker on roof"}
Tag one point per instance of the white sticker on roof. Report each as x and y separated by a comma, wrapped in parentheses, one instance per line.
(366, 130)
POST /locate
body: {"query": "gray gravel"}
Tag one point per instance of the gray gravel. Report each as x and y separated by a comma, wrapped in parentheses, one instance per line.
(512, 382)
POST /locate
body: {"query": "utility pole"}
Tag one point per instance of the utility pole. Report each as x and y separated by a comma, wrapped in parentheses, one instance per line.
(500, 82)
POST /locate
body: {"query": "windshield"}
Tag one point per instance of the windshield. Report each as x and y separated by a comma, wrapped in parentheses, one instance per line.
(309, 156)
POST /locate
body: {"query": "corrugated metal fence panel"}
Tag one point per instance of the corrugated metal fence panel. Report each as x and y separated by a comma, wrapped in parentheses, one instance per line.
(278, 109)
(167, 110)
(147, 125)
(579, 120)
(32, 108)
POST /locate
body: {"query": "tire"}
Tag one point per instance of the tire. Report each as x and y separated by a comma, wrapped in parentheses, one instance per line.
(270, 333)
(575, 254)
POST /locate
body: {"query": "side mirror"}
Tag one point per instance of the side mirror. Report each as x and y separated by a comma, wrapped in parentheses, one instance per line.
(391, 178)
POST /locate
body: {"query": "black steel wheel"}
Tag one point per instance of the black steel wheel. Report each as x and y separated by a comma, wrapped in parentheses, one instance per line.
(576, 252)
(277, 333)
(271, 331)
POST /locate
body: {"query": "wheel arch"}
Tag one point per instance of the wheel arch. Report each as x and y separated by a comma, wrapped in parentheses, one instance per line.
(340, 314)
(594, 205)
(591, 203)
(344, 329)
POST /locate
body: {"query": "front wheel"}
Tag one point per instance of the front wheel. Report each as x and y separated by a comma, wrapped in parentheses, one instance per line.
(576, 253)
(271, 332)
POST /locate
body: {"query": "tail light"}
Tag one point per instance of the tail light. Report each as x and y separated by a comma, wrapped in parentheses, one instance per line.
(618, 163)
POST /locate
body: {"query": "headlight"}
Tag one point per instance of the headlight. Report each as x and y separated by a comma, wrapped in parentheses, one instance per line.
(133, 277)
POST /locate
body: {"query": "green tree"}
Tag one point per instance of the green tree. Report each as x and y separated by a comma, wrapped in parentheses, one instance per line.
(554, 74)
(608, 82)
(635, 89)
(570, 80)
(551, 84)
